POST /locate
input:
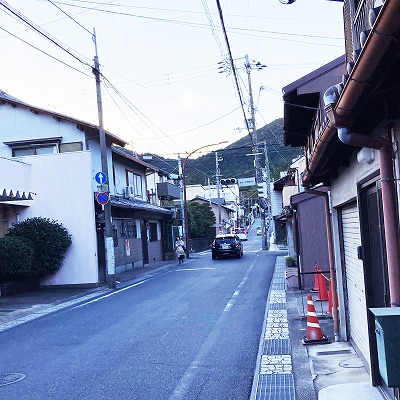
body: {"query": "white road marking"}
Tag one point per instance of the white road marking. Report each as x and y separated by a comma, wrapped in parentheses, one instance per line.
(46, 311)
(192, 269)
(181, 389)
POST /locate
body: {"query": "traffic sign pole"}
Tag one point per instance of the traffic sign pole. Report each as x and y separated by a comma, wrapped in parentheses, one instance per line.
(109, 240)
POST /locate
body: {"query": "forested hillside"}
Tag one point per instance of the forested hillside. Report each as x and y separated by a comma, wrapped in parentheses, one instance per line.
(236, 161)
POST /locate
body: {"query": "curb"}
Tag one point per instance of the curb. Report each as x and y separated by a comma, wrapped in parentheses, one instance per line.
(273, 377)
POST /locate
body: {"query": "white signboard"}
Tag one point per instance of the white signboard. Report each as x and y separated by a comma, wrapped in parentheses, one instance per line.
(242, 182)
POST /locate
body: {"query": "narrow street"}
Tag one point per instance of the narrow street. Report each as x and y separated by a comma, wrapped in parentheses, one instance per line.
(191, 333)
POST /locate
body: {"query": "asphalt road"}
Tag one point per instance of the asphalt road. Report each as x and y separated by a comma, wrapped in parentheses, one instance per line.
(191, 333)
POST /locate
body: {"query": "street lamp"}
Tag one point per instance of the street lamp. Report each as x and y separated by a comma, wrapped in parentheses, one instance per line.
(185, 214)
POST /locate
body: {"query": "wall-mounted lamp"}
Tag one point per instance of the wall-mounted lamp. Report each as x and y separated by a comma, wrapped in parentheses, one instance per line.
(366, 155)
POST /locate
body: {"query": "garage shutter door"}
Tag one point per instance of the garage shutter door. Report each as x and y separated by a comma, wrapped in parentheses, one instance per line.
(356, 302)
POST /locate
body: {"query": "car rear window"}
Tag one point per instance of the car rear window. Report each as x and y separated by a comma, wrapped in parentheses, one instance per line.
(225, 240)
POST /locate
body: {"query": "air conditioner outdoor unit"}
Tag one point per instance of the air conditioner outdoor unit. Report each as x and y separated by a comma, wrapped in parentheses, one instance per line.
(128, 192)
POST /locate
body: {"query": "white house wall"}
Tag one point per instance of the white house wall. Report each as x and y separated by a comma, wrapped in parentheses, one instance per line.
(64, 193)
(17, 176)
(197, 190)
(344, 188)
(344, 199)
(120, 181)
(18, 123)
(276, 201)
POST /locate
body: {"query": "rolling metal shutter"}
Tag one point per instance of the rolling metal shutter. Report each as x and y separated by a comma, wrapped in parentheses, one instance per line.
(356, 301)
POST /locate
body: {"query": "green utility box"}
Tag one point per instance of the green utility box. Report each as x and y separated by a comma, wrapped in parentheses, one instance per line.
(387, 329)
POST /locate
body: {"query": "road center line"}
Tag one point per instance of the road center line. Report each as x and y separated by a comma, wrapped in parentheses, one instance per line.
(184, 383)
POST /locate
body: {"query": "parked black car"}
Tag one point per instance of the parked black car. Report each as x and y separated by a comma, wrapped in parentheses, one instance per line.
(226, 245)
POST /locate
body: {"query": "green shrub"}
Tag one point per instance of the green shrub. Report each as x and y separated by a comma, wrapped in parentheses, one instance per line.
(16, 257)
(50, 242)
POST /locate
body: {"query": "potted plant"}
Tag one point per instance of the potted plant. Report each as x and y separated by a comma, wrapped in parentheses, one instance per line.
(289, 261)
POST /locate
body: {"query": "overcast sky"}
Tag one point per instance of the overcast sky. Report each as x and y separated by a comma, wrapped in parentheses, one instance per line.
(162, 91)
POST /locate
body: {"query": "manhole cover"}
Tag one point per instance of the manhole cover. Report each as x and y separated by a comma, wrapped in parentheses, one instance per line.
(13, 377)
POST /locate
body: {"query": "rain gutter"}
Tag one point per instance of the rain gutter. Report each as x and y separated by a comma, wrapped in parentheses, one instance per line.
(341, 115)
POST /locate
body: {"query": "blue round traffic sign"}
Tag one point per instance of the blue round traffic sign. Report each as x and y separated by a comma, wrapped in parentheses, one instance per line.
(101, 178)
(102, 198)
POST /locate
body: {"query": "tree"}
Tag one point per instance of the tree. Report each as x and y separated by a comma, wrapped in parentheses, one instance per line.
(16, 257)
(200, 218)
(50, 241)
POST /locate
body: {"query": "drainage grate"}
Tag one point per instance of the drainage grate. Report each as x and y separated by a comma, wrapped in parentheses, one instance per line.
(278, 286)
(13, 377)
(333, 352)
(275, 387)
(277, 346)
(277, 306)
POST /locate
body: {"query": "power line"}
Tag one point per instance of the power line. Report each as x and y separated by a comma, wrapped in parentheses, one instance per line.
(69, 16)
(40, 31)
(208, 123)
(211, 23)
(233, 65)
(47, 54)
(139, 113)
(204, 26)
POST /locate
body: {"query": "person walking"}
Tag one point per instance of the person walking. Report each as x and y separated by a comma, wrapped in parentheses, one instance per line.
(180, 249)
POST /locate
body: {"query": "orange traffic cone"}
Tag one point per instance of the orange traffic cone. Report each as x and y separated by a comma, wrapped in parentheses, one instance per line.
(314, 332)
(330, 298)
(322, 292)
(315, 287)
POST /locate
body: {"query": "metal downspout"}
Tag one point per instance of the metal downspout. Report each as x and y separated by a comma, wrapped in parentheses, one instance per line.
(388, 201)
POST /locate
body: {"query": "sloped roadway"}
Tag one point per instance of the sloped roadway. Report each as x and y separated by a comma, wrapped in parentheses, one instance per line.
(190, 333)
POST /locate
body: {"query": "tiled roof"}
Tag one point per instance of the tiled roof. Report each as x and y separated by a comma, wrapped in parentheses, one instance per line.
(138, 205)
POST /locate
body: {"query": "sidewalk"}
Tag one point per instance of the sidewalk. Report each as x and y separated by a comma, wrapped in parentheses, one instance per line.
(20, 308)
(288, 370)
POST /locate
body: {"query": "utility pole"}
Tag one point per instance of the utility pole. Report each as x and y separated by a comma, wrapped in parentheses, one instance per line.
(109, 240)
(181, 194)
(267, 177)
(253, 132)
(218, 176)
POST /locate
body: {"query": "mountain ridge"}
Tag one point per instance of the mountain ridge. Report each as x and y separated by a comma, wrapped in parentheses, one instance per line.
(237, 160)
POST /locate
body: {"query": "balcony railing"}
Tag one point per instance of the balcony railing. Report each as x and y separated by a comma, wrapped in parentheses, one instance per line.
(166, 190)
(355, 16)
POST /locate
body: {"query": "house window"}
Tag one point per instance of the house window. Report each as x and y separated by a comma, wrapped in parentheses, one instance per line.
(34, 150)
(69, 147)
(153, 232)
(128, 229)
(30, 147)
(135, 181)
